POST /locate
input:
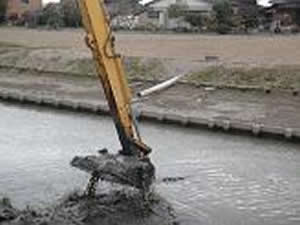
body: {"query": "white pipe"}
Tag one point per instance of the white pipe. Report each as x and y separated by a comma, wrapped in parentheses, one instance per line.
(159, 87)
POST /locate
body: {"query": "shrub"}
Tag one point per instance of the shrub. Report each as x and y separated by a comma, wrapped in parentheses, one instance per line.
(249, 13)
(223, 14)
(71, 13)
(224, 28)
(195, 20)
(176, 10)
(297, 17)
(52, 16)
(3, 7)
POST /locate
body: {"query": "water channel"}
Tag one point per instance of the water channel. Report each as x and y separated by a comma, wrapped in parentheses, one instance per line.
(228, 179)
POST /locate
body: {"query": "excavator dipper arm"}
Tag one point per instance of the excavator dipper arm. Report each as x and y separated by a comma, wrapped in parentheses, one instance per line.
(110, 70)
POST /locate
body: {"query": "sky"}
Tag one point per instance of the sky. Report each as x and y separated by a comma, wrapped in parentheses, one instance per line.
(263, 2)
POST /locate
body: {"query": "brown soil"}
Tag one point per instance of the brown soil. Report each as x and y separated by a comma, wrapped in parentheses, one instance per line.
(231, 49)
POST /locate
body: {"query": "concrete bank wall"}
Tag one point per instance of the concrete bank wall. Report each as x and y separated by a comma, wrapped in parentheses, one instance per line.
(168, 118)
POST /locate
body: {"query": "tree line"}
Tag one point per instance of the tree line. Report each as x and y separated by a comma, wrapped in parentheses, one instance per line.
(226, 15)
(66, 13)
(3, 7)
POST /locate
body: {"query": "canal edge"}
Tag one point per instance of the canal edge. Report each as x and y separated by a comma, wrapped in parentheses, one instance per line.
(225, 125)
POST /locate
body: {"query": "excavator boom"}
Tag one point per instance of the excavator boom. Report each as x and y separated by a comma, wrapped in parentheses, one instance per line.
(110, 70)
(130, 166)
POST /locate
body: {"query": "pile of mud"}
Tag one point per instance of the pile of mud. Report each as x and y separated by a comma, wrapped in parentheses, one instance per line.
(116, 207)
(132, 201)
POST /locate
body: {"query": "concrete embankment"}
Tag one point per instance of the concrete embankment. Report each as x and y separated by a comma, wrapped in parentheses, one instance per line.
(226, 125)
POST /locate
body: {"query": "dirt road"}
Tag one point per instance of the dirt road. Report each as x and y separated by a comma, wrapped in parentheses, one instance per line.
(247, 50)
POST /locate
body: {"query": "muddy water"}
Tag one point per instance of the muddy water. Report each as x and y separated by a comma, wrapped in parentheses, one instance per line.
(228, 179)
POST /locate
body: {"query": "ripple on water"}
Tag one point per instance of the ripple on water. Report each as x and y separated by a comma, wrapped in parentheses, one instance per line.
(228, 179)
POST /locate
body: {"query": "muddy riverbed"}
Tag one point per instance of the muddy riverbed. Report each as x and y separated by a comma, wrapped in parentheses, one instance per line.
(226, 179)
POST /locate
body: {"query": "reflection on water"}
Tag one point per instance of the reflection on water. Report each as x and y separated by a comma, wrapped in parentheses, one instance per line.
(229, 179)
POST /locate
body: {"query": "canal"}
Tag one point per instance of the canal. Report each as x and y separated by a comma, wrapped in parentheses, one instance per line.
(228, 179)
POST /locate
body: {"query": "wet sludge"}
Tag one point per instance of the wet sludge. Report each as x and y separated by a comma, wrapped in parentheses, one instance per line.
(113, 207)
(132, 201)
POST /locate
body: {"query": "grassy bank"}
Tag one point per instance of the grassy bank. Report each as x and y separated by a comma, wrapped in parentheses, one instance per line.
(281, 77)
(9, 44)
(72, 61)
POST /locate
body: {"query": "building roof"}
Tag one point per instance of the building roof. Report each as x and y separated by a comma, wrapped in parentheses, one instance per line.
(193, 5)
(286, 3)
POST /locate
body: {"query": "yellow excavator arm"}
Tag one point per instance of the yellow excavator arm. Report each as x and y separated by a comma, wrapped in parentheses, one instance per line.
(111, 72)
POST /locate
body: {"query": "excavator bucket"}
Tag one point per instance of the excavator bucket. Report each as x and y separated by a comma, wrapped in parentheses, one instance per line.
(116, 168)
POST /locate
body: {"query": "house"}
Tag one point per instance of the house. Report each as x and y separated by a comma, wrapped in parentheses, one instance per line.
(286, 3)
(285, 14)
(159, 9)
(17, 8)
